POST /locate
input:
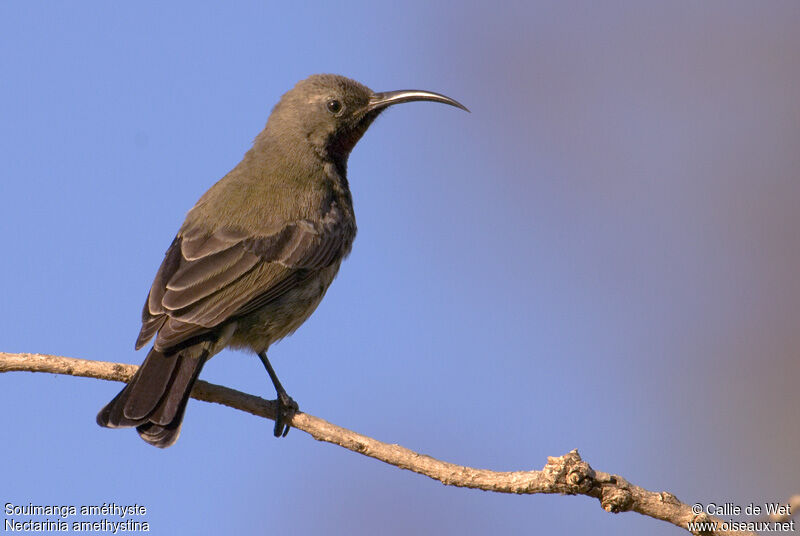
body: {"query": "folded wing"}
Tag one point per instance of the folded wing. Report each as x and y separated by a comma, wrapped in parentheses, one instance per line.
(207, 278)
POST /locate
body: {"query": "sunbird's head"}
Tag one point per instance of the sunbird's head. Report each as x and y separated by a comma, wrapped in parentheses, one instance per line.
(333, 112)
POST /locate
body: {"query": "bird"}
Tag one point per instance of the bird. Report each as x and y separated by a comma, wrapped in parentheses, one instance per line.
(256, 254)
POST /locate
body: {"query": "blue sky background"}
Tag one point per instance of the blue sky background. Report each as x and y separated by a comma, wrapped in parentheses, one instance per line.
(604, 255)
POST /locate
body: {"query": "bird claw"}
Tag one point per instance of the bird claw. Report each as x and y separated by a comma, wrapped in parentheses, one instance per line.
(286, 410)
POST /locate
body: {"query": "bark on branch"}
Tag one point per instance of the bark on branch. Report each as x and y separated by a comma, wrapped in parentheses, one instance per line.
(567, 474)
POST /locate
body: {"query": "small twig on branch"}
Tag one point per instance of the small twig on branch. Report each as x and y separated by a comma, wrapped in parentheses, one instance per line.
(567, 474)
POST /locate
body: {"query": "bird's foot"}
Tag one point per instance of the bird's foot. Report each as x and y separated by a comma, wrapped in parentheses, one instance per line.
(287, 407)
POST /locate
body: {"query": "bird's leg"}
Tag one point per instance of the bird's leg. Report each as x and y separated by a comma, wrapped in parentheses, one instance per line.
(287, 407)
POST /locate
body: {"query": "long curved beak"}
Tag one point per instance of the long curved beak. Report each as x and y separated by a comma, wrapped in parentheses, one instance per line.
(387, 98)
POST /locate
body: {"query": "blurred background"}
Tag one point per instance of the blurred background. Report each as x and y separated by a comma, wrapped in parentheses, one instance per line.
(603, 255)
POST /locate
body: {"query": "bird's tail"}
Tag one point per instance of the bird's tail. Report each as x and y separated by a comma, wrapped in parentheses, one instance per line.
(155, 399)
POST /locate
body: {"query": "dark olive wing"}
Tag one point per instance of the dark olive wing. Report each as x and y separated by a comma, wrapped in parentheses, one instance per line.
(206, 279)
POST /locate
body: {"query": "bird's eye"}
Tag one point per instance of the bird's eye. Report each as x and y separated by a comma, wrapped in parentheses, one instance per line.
(334, 106)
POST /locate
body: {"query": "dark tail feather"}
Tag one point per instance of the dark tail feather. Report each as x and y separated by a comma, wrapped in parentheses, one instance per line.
(155, 399)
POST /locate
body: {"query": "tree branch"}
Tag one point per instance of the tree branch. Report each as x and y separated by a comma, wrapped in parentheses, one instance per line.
(567, 474)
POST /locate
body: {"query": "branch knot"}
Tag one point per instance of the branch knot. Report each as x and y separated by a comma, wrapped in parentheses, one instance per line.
(615, 500)
(570, 473)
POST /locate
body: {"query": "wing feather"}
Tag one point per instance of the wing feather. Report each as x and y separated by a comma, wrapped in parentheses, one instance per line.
(197, 245)
(208, 278)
